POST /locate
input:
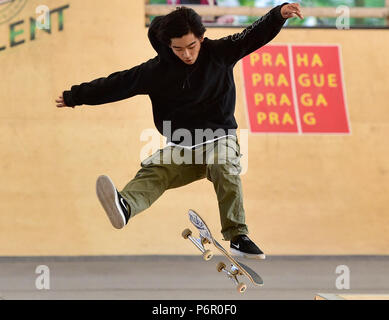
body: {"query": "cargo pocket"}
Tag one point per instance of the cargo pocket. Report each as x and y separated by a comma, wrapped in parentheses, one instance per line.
(234, 155)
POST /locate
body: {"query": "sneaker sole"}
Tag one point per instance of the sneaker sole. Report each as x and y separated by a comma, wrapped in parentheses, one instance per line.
(247, 255)
(106, 193)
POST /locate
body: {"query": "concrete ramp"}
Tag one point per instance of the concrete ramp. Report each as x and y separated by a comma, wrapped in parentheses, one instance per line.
(331, 296)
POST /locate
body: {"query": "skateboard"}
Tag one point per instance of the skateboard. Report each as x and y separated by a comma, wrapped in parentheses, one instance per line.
(236, 269)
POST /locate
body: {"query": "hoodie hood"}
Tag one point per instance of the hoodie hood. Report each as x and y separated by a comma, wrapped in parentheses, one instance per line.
(166, 54)
(163, 51)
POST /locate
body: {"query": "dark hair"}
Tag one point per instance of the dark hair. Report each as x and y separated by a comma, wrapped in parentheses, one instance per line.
(180, 22)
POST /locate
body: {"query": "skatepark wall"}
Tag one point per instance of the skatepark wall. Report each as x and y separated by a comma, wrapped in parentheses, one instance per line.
(303, 194)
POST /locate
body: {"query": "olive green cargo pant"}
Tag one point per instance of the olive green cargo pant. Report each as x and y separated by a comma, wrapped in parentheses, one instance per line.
(174, 166)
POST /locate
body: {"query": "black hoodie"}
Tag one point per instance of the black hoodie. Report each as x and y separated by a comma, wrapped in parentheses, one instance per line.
(197, 96)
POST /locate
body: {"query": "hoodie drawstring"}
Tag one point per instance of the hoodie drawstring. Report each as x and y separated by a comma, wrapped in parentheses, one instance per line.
(186, 80)
(188, 74)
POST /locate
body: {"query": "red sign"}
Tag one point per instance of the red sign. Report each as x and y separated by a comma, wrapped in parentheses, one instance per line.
(295, 89)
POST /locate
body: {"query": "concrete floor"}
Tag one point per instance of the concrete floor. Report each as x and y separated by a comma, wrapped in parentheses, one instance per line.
(187, 277)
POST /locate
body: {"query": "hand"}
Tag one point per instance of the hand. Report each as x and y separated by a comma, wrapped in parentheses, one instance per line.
(291, 10)
(61, 102)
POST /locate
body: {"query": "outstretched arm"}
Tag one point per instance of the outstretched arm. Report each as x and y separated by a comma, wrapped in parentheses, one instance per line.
(232, 48)
(117, 86)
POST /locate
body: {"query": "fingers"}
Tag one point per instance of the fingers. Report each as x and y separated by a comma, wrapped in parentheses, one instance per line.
(299, 14)
(296, 14)
(297, 10)
(60, 102)
(294, 11)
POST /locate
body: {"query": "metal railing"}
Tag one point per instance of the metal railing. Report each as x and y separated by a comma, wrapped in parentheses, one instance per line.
(322, 12)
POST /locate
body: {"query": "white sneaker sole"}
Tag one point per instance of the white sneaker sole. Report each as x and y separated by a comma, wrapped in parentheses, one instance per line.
(238, 253)
(106, 192)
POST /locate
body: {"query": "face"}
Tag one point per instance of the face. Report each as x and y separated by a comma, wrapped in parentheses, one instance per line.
(187, 48)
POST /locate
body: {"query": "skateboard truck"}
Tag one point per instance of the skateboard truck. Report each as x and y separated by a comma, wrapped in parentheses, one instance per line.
(233, 275)
(199, 243)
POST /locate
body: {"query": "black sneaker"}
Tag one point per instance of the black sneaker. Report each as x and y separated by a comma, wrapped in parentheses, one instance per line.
(242, 246)
(116, 207)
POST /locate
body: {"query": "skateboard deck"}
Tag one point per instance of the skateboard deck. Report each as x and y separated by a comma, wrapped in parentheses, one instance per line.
(237, 268)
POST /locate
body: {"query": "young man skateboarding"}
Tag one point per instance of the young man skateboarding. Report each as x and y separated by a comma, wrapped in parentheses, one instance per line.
(191, 86)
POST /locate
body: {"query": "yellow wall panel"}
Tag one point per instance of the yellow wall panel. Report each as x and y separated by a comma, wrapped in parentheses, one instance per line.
(320, 194)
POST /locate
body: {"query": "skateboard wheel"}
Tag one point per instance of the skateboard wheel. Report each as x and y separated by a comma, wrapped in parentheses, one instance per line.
(186, 233)
(241, 287)
(220, 266)
(207, 255)
(204, 241)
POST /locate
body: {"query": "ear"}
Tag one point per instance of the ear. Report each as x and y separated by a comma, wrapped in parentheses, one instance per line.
(201, 38)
